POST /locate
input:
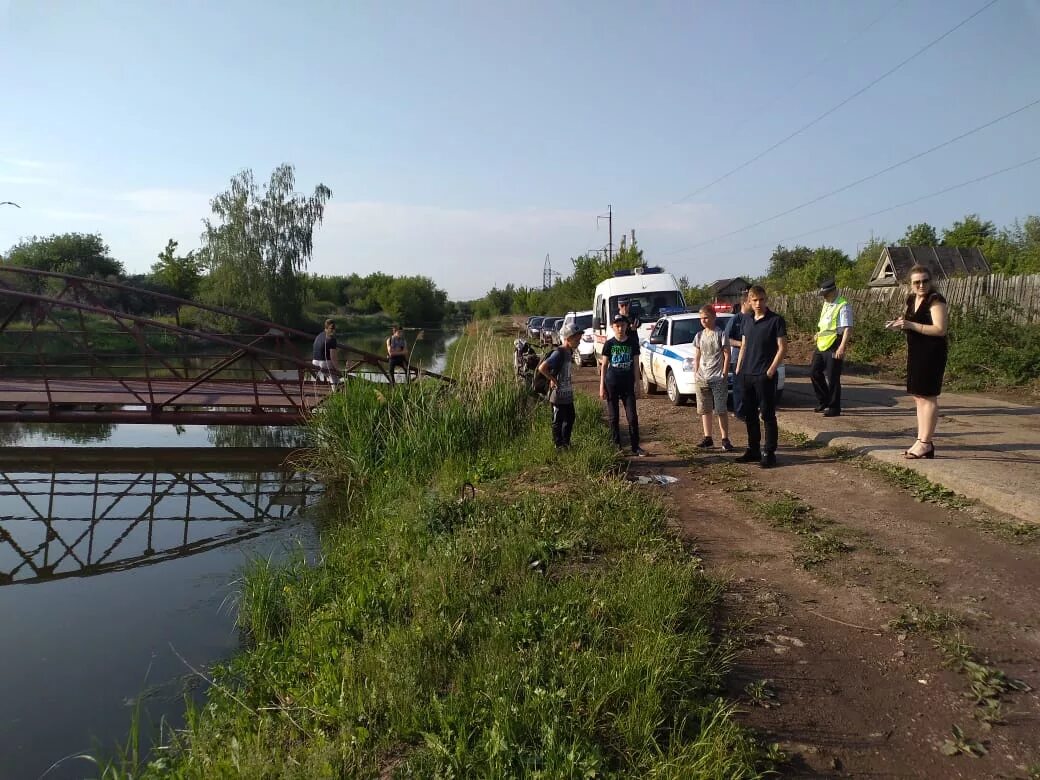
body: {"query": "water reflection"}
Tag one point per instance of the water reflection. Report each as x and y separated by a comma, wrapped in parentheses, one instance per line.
(118, 560)
(59, 518)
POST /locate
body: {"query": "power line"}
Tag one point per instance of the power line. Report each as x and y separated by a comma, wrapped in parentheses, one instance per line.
(790, 88)
(935, 194)
(837, 106)
(856, 183)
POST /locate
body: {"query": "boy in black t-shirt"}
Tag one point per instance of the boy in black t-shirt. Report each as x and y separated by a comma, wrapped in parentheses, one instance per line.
(762, 351)
(617, 381)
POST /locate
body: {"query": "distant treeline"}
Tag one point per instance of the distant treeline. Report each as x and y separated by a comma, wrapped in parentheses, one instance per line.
(252, 260)
(1013, 249)
(413, 300)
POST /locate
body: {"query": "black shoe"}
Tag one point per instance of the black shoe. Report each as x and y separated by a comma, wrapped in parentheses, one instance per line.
(832, 413)
(749, 456)
(768, 460)
(706, 443)
(820, 408)
(639, 452)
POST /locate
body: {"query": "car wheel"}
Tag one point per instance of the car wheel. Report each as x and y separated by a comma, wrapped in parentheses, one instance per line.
(677, 398)
(648, 386)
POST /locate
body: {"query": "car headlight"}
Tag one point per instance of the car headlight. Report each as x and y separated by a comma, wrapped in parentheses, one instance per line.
(687, 364)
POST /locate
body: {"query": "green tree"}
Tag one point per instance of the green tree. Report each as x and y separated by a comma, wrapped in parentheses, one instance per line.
(970, 231)
(783, 261)
(181, 274)
(858, 273)
(921, 234)
(824, 263)
(79, 254)
(415, 301)
(260, 242)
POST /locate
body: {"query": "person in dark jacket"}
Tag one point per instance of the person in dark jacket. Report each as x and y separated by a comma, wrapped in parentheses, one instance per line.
(762, 351)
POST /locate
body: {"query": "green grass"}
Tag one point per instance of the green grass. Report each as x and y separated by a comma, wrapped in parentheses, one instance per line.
(547, 626)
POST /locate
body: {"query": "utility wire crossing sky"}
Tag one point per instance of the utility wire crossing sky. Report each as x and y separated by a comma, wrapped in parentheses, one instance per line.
(466, 143)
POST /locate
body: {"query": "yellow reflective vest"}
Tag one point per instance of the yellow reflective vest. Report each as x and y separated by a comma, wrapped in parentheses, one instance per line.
(827, 330)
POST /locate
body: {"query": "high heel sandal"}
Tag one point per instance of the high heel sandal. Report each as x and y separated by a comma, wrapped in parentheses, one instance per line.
(930, 453)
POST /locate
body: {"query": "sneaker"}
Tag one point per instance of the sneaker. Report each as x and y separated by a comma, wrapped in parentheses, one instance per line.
(749, 456)
(768, 460)
(727, 446)
(639, 452)
(832, 413)
(820, 408)
(706, 443)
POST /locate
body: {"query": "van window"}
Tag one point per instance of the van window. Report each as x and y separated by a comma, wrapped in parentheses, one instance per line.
(583, 321)
(647, 305)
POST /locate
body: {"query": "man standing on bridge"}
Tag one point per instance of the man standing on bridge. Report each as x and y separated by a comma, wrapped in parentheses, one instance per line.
(397, 353)
(832, 341)
(325, 354)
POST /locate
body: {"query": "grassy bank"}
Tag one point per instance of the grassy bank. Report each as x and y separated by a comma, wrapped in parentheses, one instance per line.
(542, 623)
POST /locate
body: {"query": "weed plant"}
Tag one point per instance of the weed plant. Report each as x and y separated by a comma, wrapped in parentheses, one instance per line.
(544, 624)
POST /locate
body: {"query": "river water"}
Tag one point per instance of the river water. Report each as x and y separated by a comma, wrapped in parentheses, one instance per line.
(120, 546)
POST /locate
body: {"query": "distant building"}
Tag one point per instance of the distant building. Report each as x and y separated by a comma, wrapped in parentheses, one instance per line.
(893, 267)
(729, 290)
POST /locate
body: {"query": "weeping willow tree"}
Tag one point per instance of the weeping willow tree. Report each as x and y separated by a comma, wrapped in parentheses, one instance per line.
(259, 242)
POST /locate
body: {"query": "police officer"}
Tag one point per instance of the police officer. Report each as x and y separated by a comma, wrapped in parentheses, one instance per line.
(832, 342)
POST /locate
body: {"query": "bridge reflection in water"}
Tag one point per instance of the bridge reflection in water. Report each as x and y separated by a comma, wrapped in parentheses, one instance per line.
(77, 512)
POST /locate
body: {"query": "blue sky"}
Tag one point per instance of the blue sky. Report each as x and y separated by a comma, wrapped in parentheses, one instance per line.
(466, 140)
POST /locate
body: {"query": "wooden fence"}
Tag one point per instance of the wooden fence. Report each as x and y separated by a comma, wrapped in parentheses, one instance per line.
(1017, 296)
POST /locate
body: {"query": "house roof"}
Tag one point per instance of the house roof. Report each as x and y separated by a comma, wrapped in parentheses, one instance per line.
(721, 284)
(893, 267)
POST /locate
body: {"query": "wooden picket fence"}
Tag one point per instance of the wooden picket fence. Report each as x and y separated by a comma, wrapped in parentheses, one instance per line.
(1017, 296)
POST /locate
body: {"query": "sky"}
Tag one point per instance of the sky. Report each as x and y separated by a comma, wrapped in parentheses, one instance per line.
(466, 141)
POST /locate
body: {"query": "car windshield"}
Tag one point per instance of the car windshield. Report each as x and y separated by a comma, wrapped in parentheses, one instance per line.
(583, 321)
(647, 306)
(683, 331)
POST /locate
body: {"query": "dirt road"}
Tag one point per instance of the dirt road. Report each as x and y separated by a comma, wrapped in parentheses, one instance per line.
(870, 624)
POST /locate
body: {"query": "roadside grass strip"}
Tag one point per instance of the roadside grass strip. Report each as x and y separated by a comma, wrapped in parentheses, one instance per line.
(540, 621)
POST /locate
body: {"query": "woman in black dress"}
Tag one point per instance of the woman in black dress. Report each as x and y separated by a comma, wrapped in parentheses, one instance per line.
(925, 324)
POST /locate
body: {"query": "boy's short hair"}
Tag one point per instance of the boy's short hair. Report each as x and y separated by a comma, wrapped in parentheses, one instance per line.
(707, 310)
(758, 291)
(331, 322)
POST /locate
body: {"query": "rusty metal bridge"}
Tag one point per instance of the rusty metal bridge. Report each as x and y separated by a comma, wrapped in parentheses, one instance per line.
(72, 349)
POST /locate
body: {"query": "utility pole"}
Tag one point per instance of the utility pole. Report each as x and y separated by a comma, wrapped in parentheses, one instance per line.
(546, 274)
(609, 216)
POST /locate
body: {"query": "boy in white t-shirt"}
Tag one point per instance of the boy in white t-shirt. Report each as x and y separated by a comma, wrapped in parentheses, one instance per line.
(711, 367)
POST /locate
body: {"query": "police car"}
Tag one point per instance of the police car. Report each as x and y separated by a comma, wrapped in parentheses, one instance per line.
(666, 357)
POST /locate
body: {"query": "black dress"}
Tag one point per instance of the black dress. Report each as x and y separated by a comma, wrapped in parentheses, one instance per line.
(925, 355)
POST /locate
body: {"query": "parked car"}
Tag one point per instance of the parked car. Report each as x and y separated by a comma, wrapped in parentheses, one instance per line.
(666, 358)
(551, 331)
(585, 354)
(534, 328)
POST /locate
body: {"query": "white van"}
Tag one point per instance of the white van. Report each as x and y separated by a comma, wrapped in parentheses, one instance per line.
(648, 291)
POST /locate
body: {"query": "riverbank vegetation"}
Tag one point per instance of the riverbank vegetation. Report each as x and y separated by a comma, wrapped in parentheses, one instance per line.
(482, 606)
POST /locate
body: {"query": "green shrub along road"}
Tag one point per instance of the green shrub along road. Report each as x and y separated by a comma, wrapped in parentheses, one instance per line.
(544, 624)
